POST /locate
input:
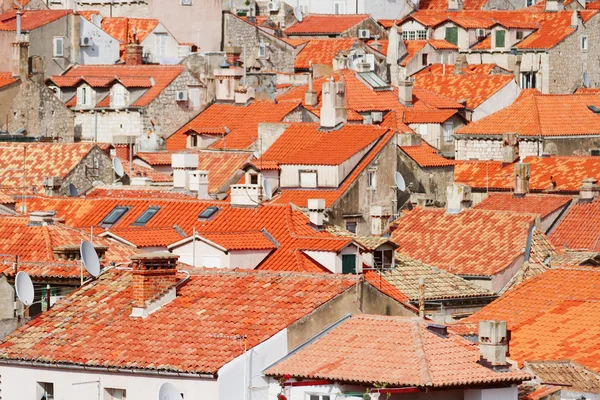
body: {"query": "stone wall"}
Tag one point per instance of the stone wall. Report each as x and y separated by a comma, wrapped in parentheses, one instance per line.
(37, 110)
(96, 166)
(432, 182)
(102, 127)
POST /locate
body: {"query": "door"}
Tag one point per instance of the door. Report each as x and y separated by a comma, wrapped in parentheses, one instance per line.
(348, 263)
(452, 35)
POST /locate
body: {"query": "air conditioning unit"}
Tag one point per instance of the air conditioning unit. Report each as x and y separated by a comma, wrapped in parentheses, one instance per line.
(364, 34)
(273, 5)
(377, 116)
(181, 95)
(85, 42)
(480, 33)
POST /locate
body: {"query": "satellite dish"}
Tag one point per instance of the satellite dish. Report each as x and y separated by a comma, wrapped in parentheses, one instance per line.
(298, 14)
(118, 167)
(168, 392)
(267, 191)
(90, 258)
(400, 183)
(24, 288)
(73, 190)
(586, 80)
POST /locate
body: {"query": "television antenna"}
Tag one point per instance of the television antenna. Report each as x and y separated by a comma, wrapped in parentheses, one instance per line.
(73, 192)
(168, 391)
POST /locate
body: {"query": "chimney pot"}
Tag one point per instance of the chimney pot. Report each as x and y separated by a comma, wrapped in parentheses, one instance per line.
(316, 212)
(134, 54)
(199, 183)
(493, 342)
(510, 147)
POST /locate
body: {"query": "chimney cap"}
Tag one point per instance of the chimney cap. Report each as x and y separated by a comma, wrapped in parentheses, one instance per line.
(155, 255)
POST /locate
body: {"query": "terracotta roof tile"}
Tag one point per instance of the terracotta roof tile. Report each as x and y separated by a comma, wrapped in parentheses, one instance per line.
(395, 351)
(87, 14)
(6, 79)
(554, 28)
(325, 24)
(543, 204)
(6, 199)
(322, 51)
(569, 374)
(473, 18)
(443, 5)
(412, 48)
(473, 242)
(124, 29)
(579, 229)
(426, 156)
(145, 237)
(245, 240)
(30, 19)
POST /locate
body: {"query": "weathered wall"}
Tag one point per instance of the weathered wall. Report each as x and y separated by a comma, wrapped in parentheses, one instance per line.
(41, 43)
(131, 9)
(96, 166)
(104, 48)
(151, 49)
(103, 127)
(7, 94)
(430, 181)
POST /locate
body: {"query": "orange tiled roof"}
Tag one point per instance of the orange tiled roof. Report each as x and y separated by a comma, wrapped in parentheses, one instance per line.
(441, 44)
(242, 122)
(472, 19)
(412, 48)
(123, 29)
(443, 5)
(322, 51)
(30, 19)
(395, 351)
(98, 75)
(6, 199)
(584, 90)
(552, 316)
(325, 24)
(579, 229)
(87, 14)
(426, 156)
(473, 242)
(543, 204)
(386, 23)
(472, 69)
(6, 79)
(140, 192)
(140, 171)
(146, 237)
(255, 304)
(554, 28)
(41, 160)
(537, 115)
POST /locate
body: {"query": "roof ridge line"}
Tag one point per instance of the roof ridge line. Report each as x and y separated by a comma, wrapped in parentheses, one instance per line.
(419, 346)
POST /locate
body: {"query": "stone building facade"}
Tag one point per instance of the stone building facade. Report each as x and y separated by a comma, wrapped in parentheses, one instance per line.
(95, 168)
(426, 183)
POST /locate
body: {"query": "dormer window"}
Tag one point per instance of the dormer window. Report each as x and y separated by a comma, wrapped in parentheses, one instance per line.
(384, 259)
(500, 38)
(120, 96)
(84, 96)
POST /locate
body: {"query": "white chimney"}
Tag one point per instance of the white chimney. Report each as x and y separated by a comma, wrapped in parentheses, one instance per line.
(140, 181)
(459, 198)
(405, 91)
(199, 183)
(244, 94)
(555, 5)
(510, 147)
(589, 190)
(245, 195)
(574, 19)
(316, 212)
(521, 179)
(37, 218)
(493, 342)
(52, 185)
(181, 164)
(333, 108)
(310, 97)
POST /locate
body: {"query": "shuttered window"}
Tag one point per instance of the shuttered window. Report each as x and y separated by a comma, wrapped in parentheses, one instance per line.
(500, 36)
(452, 35)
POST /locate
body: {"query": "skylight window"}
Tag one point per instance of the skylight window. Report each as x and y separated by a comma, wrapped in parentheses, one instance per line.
(374, 81)
(594, 109)
(208, 212)
(146, 216)
(114, 216)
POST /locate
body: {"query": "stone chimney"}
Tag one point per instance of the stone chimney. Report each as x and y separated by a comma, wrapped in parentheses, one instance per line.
(521, 173)
(199, 183)
(493, 342)
(316, 212)
(52, 185)
(459, 64)
(588, 190)
(243, 94)
(555, 5)
(405, 91)
(181, 164)
(134, 54)
(510, 147)
(459, 198)
(310, 98)
(154, 279)
(333, 108)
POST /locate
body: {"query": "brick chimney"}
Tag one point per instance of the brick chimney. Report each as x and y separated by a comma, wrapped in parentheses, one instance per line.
(405, 91)
(333, 108)
(589, 190)
(521, 173)
(154, 275)
(510, 147)
(134, 54)
(493, 342)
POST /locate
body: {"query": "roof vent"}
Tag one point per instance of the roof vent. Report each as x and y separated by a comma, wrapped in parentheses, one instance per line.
(438, 329)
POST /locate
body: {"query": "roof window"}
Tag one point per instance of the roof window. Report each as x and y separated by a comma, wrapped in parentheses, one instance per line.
(146, 216)
(208, 212)
(594, 109)
(114, 216)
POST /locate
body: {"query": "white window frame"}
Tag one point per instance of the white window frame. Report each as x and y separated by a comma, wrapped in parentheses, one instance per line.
(160, 45)
(448, 131)
(372, 179)
(262, 50)
(307, 181)
(84, 95)
(58, 50)
(120, 96)
(412, 35)
(194, 97)
(110, 394)
(585, 43)
(391, 265)
(404, 35)
(422, 34)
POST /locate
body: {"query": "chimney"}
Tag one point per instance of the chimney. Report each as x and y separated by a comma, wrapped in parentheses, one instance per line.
(555, 5)
(510, 147)
(376, 220)
(588, 190)
(455, 5)
(459, 64)
(363, 67)
(182, 163)
(52, 185)
(18, 35)
(333, 108)
(154, 279)
(521, 173)
(493, 342)
(134, 54)
(199, 183)
(39, 218)
(316, 212)
(72, 252)
(243, 94)
(20, 61)
(459, 198)
(574, 20)
(310, 98)
(405, 91)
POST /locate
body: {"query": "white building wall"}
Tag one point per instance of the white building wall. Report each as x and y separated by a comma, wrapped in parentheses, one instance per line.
(170, 48)
(347, 166)
(327, 175)
(102, 127)
(20, 383)
(492, 394)
(502, 98)
(247, 259)
(463, 35)
(327, 259)
(104, 49)
(377, 8)
(204, 256)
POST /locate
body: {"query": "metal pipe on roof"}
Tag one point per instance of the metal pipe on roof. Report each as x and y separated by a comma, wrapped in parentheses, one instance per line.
(422, 297)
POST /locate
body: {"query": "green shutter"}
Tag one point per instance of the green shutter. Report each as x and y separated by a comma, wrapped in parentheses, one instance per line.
(452, 35)
(500, 38)
(348, 263)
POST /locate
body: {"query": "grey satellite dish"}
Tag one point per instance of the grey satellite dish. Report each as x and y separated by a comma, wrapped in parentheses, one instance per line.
(118, 167)
(168, 392)
(267, 191)
(73, 190)
(400, 183)
(586, 80)
(90, 258)
(24, 288)
(298, 14)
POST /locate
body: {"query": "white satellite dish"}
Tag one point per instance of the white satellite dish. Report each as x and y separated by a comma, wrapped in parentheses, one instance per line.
(267, 191)
(168, 392)
(24, 288)
(89, 258)
(73, 190)
(118, 167)
(400, 183)
(298, 14)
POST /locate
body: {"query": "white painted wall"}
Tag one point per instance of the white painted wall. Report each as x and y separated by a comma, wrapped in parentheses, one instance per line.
(377, 8)
(463, 35)
(205, 254)
(347, 166)
(502, 98)
(170, 49)
(20, 382)
(492, 394)
(109, 124)
(327, 175)
(327, 259)
(104, 48)
(247, 259)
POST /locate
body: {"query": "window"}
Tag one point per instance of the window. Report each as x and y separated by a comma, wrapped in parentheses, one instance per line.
(412, 35)
(120, 96)
(114, 216)
(448, 131)
(404, 35)
(253, 179)
(584, 43)
(500, 36)
(528, 80)
(194, 97)
(452, 35)
(339, 7)
(193, 140)
(348, 263)
(262, 50)
(45, 391)
(56, 90)
(383, 258)
(58, 48)
(146, 216)
(208, 212)
(308, 179)
(422, 35)
(351, 226)
(425, 59)
(84, 96)
(319, 397)
(160, 41)
(530, 3)
(519, 35)
(372, 179)
(114, 394)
